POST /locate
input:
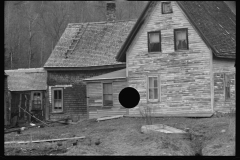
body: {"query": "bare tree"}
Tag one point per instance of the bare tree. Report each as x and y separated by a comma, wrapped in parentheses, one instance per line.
(27, 12)
(53, 19)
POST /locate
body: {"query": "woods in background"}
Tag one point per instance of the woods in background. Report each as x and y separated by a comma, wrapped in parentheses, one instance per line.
(32, 28)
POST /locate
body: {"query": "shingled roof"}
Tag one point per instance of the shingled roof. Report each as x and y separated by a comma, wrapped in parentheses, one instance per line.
(214, 21)
(27, 79)
(90, 44)
(113, 75)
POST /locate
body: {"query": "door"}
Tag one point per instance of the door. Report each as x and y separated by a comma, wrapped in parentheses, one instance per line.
(37, 105)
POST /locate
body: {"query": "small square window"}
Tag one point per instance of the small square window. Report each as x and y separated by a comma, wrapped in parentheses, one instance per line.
(181, 39)
(166, 8)
(154, 41)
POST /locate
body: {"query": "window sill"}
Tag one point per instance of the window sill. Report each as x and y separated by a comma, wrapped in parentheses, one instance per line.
(181, 50)
(57, 112)
(153, 101)
(149, 53)
(106, 107)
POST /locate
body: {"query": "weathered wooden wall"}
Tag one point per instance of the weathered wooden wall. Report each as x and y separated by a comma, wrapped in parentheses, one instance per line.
(74, 91)
(95, 98)
(221, 67)
(184, 75)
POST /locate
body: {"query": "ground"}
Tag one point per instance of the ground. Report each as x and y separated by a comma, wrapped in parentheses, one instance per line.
(122, 136)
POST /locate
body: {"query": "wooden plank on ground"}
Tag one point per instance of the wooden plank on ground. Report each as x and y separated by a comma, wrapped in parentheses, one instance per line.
(47, 140)
(106, 118)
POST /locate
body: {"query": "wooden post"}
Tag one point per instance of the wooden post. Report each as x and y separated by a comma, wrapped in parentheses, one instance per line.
(20, 101)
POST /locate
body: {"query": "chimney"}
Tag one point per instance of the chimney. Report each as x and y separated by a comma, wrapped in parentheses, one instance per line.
(111, 11)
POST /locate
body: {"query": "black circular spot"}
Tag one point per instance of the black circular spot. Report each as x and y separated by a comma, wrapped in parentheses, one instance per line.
(129, 97)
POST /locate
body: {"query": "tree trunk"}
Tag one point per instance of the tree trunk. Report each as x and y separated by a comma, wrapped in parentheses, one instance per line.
(30, 51)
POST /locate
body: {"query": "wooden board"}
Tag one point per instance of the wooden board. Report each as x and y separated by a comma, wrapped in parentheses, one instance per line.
(37, 141)
(107, 118)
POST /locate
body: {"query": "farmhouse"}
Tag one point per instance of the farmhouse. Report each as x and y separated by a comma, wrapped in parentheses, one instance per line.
(180, 57)
(83, 51)
(26, 90)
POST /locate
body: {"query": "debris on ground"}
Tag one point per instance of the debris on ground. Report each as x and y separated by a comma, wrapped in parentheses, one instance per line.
(37, 141)
(109, 117)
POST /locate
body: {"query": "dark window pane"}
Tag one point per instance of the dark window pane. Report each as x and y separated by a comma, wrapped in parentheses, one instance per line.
(107, 100)
(181, 39)
(154, 47)
(55, 94)
(151, 93)
(59, 94)
(155, 82)
(167, 7)
(155, 93)
(154, 42)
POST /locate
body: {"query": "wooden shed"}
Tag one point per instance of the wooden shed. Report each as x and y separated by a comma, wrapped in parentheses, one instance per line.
(27, 91)
(103, 92)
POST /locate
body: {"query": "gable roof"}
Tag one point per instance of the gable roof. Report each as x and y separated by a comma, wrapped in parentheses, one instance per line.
(214, 21)
(90, 44)
(27, 79)
(113, 75)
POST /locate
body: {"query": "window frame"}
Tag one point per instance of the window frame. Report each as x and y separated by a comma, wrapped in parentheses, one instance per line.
(41, 98)
(158, 87)
(163, 5)
(53, 102)
(175, 41)
(108, 106)
(160, 41)
(225, 86)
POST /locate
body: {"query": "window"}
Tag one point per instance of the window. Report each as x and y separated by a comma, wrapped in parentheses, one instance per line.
(154, 41)
(153, 88)
(57, 100)
(227, 86)
(166, 7)
(107, 94)
(181, 39)
(37, 101)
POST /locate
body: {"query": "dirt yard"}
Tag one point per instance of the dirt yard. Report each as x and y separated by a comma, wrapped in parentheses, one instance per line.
(208, 136)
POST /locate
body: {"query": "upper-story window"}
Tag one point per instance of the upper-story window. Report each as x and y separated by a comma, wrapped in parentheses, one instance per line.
(181, 39)
(154, 41)
(166, 8)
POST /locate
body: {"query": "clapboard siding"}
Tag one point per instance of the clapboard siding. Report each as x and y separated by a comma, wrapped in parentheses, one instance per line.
(95, 98)
(184, 75)
(221, 67)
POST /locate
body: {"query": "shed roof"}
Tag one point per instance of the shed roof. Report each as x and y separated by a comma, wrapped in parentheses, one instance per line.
(113, 75)
(214, 21)
(90, 44)
(27, 79)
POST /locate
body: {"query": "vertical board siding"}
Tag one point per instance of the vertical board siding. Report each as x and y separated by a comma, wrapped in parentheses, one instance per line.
(185, 75)
(221, 67)
(95, 99)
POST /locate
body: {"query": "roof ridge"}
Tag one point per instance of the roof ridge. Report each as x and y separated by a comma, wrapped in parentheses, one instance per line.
(101, 22)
